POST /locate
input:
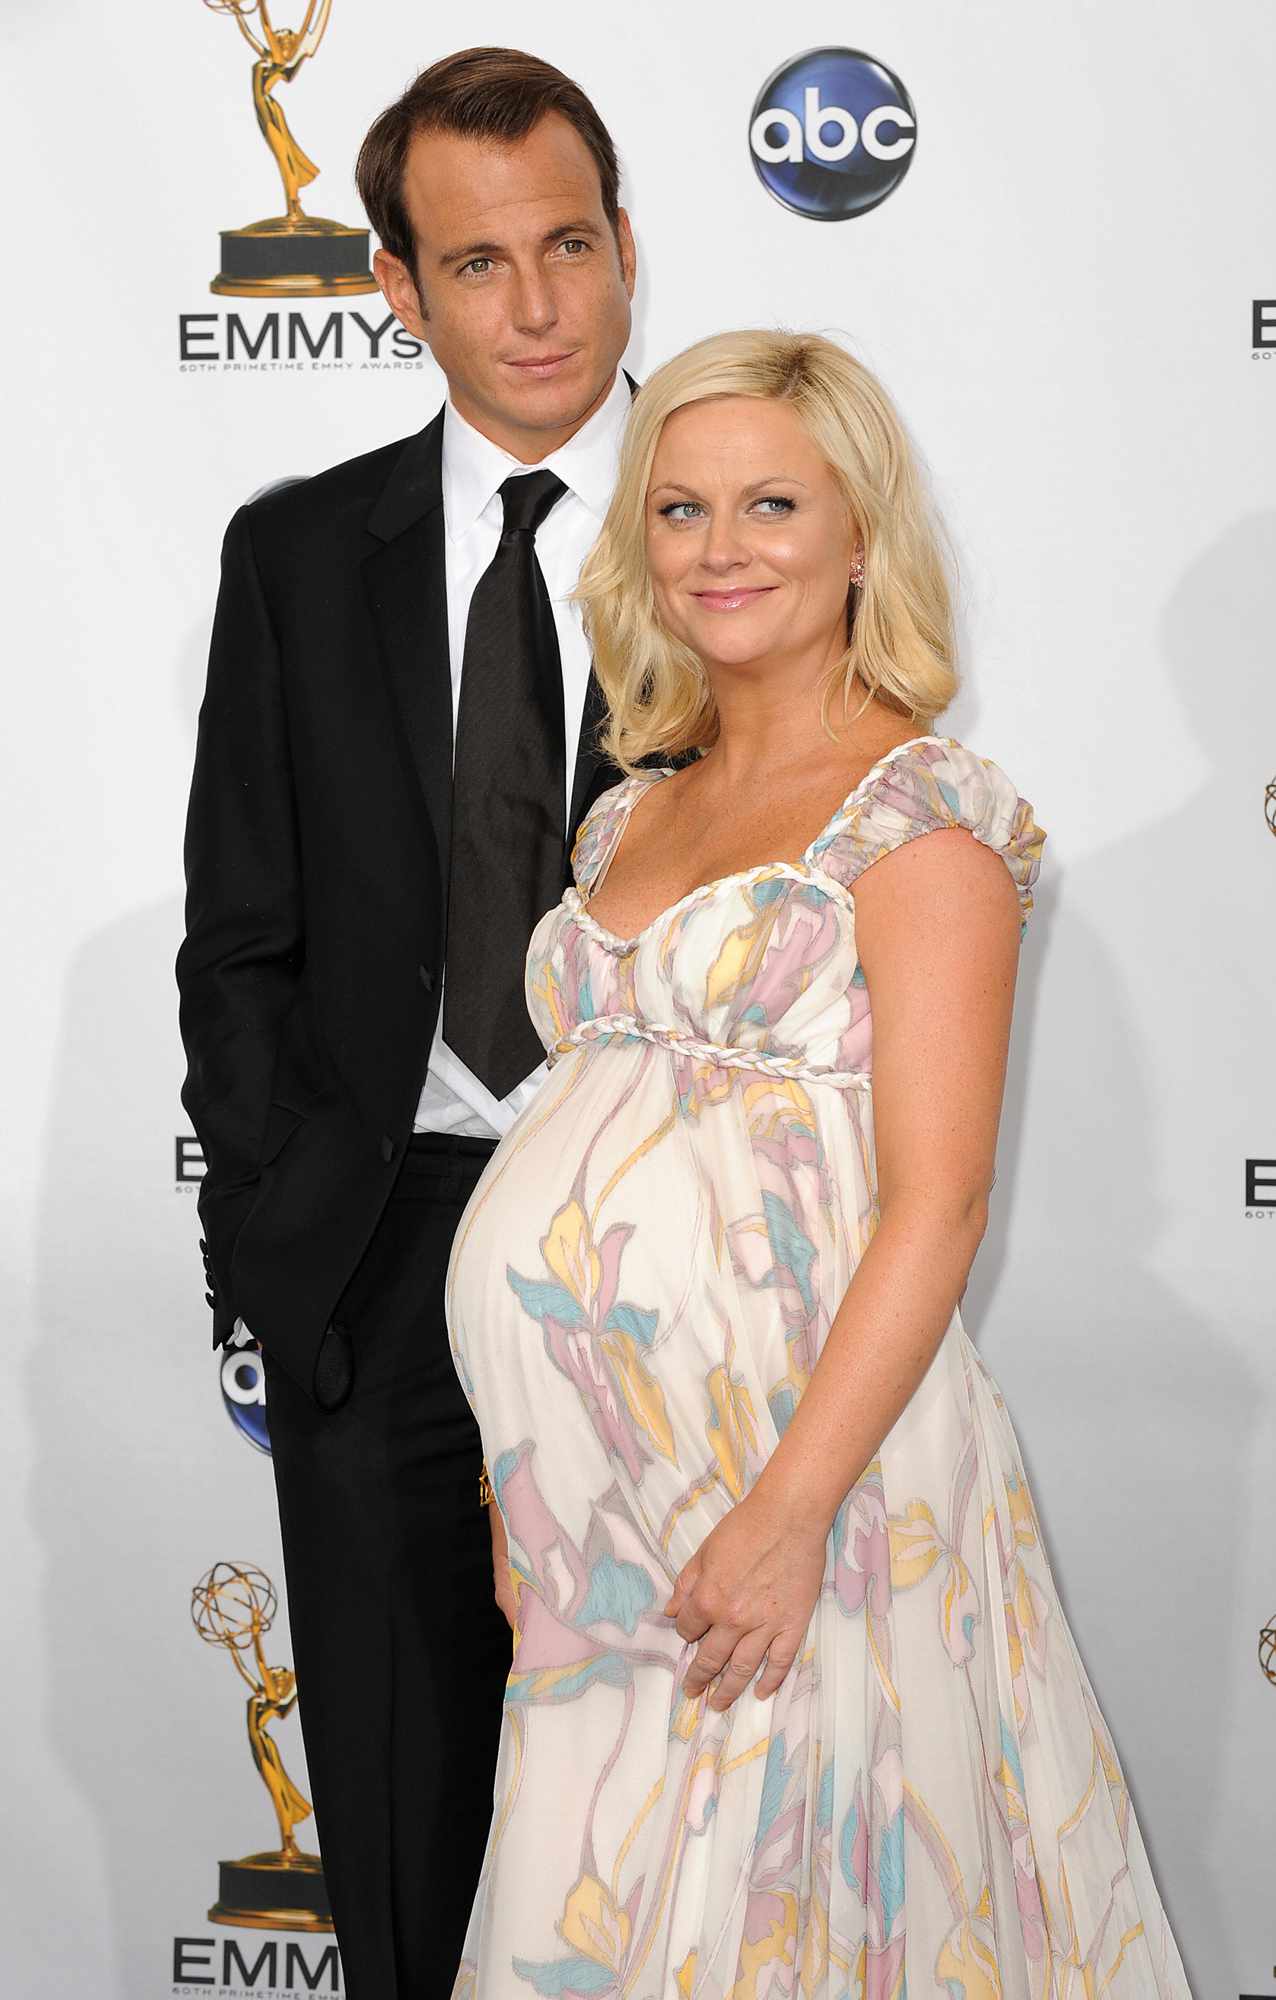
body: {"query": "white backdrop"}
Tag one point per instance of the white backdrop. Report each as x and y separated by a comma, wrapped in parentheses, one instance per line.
(1059, 296)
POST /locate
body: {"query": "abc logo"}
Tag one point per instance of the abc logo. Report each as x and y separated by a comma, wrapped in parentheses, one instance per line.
(832, 134)
(243, 1382)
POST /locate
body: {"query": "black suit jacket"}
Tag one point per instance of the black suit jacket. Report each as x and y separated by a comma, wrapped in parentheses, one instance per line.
(317, 866)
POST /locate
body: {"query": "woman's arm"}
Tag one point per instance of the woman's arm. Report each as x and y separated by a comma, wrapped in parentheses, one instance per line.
(937, 926)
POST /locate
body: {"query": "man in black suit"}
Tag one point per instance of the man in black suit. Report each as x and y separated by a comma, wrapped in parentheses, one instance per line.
(395, 746)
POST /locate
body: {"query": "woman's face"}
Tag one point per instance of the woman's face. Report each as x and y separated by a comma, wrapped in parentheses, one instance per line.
(749, 543)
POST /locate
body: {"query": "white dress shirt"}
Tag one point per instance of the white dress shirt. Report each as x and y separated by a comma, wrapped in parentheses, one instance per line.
(474, 469)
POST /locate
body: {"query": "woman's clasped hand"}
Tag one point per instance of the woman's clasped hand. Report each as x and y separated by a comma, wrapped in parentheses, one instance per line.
(747, 1596)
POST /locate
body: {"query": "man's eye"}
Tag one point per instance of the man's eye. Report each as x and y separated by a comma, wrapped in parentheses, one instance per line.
(478, 265)
(574, 245)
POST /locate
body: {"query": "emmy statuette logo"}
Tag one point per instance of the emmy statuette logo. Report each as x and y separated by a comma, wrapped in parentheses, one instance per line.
(233, 1607)
(293, 255)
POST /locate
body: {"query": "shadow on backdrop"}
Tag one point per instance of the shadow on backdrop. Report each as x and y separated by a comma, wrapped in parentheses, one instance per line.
(1137, 1411)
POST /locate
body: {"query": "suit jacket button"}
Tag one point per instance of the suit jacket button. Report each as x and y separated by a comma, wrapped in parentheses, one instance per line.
(426, 977)
(387, 1150)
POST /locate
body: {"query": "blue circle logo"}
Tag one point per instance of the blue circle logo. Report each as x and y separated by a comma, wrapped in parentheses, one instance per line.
(832, 134)
(243, 1380)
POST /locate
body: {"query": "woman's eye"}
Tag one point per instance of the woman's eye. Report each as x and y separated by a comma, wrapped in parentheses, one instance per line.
(681, 510)
(775, 505)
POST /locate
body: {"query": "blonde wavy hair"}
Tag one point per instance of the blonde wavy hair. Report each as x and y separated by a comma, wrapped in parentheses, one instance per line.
(900, 641)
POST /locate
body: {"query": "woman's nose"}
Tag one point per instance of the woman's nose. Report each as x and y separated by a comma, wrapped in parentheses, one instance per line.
(724, 547)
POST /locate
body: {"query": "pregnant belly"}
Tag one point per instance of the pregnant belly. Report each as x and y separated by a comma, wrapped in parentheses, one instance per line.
(590, 1300)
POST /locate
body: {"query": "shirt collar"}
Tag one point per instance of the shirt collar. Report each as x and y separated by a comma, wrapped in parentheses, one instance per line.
(474, 469)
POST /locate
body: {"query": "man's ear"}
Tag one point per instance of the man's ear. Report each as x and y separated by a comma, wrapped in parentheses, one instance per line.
(400, 292)
(627, 248)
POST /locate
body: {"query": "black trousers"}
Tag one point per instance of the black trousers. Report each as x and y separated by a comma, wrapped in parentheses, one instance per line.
(400, 1651)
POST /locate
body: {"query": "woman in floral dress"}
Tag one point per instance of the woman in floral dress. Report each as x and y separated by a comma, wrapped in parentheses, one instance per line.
(793, 1707)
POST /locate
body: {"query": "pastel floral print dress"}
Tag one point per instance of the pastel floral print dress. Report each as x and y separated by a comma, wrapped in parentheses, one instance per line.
(640, 1287)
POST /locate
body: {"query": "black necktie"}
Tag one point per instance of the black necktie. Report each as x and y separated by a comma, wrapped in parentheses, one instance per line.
(508, 797)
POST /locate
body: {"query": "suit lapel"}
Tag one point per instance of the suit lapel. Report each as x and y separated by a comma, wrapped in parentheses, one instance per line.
(406, 586)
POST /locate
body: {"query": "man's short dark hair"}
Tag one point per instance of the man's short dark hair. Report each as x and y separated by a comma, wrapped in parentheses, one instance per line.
(495, 94)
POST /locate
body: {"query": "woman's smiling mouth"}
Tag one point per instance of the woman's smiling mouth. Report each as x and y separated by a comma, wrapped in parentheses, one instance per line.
(731, 600)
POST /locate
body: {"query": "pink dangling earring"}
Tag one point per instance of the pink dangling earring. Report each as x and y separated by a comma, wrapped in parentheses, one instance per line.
(857, 570)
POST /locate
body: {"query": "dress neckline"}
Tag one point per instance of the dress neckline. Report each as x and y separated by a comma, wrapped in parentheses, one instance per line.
(609, 939)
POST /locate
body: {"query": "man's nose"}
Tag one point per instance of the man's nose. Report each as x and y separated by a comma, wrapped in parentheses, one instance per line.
(535, 308)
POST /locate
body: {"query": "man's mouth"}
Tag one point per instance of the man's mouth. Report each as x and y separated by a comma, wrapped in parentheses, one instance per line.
(540, 365)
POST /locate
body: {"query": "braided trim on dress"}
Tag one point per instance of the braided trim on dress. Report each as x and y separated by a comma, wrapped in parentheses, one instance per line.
(605, 1027)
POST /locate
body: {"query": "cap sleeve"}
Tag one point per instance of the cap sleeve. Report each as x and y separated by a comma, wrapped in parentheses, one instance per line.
(600, 830)
(920, 788)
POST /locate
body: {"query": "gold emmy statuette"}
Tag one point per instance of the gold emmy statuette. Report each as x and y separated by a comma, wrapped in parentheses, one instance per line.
(234, 1607)
(293, 255)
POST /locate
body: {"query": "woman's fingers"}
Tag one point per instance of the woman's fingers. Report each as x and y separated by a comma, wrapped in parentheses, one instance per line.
(781, 1653)
(732, 1657)
(684, 1584)
(692, 1623)
(507, 1600)
(691, 1619)
(739, 1669)
(711, 1656)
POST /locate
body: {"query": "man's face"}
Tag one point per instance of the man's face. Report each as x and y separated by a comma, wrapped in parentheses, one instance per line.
(524, 283)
